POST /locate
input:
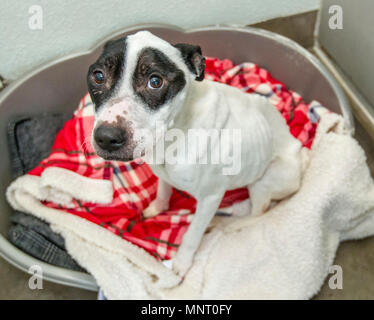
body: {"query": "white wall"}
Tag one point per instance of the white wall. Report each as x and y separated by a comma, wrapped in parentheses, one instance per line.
(352, 47)
(70, 26)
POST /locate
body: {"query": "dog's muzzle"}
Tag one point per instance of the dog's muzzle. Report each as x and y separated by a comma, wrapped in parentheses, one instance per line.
(110, 138)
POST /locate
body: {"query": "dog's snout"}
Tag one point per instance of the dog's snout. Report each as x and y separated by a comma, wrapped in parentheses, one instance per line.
(110, 138)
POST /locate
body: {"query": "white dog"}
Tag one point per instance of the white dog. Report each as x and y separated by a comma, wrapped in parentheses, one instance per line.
(142, 81)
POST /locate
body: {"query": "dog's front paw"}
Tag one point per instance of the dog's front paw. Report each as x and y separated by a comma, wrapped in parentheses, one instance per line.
(154, 208)
(180, 267)
(182, 261)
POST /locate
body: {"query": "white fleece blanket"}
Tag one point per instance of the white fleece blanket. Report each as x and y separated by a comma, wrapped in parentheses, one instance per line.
(284, 254)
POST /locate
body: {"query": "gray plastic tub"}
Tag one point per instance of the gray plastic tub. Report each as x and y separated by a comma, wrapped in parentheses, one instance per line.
(60, 84)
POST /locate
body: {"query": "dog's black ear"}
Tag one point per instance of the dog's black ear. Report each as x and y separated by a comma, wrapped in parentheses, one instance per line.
(108, 44)
(193, 58)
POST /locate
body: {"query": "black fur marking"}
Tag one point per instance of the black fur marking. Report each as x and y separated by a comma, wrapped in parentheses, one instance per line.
(154, 62)
(111, 63)
(193, 58)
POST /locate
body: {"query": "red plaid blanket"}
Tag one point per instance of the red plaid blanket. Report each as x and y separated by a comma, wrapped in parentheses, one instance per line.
(134, 185)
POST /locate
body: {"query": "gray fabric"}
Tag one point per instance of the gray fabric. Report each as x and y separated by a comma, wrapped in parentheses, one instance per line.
(39, 247)
(30, 141)
(39, 226)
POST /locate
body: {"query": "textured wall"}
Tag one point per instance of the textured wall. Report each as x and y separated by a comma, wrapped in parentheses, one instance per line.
(352, 47)
(70, 26)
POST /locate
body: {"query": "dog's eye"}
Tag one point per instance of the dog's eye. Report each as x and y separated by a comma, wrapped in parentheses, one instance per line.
(155, 82)
(98, 77)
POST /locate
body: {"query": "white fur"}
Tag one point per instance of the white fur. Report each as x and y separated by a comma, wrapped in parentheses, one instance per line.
(117, 109)
(270, 156)
(137, 114)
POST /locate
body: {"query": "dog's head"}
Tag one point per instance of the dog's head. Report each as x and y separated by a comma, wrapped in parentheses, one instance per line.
(138, 82)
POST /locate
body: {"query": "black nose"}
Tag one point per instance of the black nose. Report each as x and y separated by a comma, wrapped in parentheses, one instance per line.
(109, 138)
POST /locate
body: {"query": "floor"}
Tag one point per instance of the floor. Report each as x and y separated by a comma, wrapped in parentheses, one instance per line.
(15, 286)
(355, 257)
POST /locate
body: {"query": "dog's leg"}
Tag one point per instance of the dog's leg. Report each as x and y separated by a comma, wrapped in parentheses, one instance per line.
(161, 203)
(281, 179)
(260, 198)
(205, 211)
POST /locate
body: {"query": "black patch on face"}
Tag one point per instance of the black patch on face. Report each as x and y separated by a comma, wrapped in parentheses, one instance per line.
(111, 64)
(193, 58)
(153, 62)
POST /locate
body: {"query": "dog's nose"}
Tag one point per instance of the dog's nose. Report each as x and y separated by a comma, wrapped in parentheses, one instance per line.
(110, 138)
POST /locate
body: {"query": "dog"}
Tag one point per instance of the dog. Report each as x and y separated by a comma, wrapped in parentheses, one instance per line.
(142, 81)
